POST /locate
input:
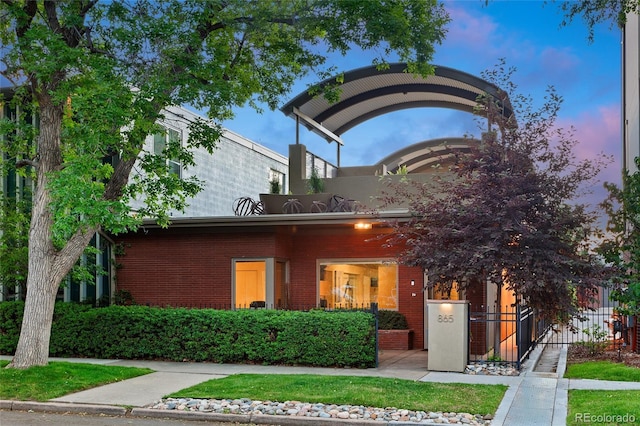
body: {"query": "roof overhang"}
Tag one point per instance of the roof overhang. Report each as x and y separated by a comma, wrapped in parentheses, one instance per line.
(303, 219)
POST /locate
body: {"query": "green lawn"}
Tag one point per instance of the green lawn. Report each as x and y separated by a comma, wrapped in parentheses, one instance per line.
(59, 378)
(603, 407)
(603, 370)
(368, 391)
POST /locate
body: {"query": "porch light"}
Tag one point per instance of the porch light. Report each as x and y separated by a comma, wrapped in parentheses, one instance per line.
(362, 225)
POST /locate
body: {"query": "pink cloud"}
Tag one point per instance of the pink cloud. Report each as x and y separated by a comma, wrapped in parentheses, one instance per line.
(598, 132)
(471, 31)
(480, 39)
(559, 60)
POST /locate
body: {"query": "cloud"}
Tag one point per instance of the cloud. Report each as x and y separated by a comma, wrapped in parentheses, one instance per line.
(558, 59)
(597, 131)
(475, 32)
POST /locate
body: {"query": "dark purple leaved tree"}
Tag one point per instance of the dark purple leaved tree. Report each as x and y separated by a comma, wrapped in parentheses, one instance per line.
(507, 212)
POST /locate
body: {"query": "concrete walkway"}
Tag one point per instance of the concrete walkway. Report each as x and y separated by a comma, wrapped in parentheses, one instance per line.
(533, 398)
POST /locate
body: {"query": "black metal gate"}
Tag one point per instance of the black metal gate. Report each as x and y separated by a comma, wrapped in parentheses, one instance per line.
(507, 336)
(510, 334)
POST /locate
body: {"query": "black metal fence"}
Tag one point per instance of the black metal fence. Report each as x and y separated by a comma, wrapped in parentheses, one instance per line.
(601, 325)
(373, 307)
(507, 336)
(510, 335)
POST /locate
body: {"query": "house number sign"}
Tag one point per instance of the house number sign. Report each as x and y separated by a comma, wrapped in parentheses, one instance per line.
(445, 318)
(448, 335)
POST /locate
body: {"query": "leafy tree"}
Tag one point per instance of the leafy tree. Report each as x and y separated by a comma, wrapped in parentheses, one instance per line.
(594, 12)
(14, 224)
(506, 212)
(100, 73)
(621, 248)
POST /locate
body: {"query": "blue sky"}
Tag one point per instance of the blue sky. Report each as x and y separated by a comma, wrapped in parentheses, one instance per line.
(528, 36)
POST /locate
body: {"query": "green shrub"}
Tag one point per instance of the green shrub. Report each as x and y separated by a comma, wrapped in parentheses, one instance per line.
(315, 338)
(10, 324)
(596, 343)
(392, 320)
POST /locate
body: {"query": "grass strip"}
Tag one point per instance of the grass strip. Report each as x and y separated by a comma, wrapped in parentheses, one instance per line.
(603, 370)
(603, 407)
(41, 383)
(353, 390)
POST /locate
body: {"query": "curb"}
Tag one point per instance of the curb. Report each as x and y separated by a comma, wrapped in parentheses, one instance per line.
(190, 415)
(254, 419)
(62, 407)
(74, 408)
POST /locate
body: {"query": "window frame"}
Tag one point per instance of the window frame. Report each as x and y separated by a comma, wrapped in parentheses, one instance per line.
(360, 261)
(175, 166)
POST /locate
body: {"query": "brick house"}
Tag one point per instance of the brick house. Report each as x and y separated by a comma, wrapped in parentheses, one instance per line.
(327, 254)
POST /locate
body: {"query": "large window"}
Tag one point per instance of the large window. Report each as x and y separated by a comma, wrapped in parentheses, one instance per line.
(97, 290)
(260, 283)
(161, 141)
(351, 284)
(250, 284)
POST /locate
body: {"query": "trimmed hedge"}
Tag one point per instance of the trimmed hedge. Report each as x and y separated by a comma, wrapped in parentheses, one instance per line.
(315, 338)
(392, 320)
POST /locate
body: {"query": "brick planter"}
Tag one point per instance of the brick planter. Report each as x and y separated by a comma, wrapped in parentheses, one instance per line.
(395, 339)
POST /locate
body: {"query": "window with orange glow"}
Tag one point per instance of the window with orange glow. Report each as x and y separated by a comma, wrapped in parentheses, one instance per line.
(250, 283)
(357, 284)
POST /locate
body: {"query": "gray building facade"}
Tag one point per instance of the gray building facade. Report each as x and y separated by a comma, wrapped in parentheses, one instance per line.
(631, 90)
(237, 168)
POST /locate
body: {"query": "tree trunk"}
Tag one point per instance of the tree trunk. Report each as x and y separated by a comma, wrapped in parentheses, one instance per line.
(47, 266)
(33, 345)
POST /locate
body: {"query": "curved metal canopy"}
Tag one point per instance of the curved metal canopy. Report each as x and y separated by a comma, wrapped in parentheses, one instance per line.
(368, 92)
(422, 156)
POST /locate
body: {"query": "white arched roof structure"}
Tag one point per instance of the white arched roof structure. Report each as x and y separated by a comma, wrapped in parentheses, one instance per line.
(368, 92)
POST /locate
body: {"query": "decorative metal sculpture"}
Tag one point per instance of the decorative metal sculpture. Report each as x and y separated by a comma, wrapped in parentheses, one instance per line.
(247, 206)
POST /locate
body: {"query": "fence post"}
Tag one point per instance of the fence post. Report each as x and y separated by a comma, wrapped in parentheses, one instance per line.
(374, 311)
(519, 334)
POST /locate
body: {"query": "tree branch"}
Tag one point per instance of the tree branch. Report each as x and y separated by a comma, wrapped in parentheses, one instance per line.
(87, 7)
(30, 9)
(92, 48)
(26, 162)
(52, 16)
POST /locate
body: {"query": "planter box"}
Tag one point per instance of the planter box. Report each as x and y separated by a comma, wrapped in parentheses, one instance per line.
(274, 203)
(401, 340)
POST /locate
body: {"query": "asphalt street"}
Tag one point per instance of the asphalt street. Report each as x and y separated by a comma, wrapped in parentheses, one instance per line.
(22, 418)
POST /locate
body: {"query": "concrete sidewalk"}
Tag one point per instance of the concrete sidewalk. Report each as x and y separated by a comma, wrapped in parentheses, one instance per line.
(170, 377)
(531, 399)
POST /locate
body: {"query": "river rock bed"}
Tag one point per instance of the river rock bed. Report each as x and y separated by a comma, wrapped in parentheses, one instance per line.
(246, 406)
(491, 369)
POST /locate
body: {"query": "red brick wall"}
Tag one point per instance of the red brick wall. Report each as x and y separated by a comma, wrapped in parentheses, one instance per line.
(185, 268)
(192, 267)
(636, 335)
(400, 340)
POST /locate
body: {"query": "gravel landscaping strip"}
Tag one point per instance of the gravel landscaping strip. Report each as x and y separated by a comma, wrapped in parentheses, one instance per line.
(330, 411)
